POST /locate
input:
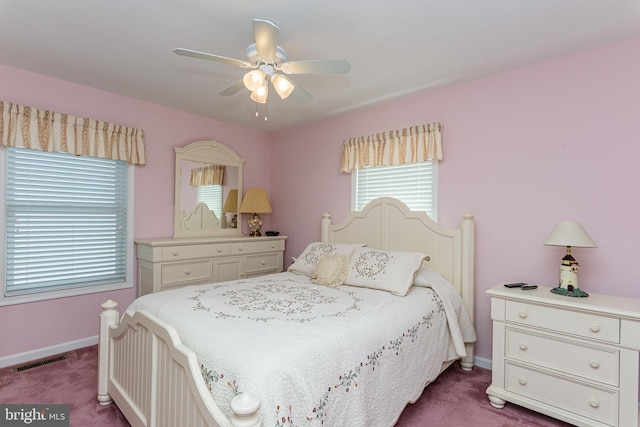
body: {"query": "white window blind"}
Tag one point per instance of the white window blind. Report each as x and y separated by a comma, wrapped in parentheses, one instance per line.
(211, 195)
(66, 221)
(415, 184)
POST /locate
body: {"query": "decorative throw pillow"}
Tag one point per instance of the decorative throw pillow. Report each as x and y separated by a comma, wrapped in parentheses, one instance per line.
(331, 270)
(306, 262)
(390, 271)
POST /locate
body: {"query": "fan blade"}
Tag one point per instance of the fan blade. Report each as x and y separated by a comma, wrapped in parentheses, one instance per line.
(233, 89)
(301, 95)
(329, 66)
(212, 57)
(265, 34)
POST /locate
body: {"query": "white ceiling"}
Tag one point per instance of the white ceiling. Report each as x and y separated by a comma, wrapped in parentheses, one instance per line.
(395, 48)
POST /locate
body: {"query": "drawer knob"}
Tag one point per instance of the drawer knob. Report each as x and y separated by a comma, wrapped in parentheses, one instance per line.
(187, 272)
(523, 346)
(594, 327)
(594, 364)
(594, 403)
(240, 248)
(273, 246)
(219, 250)
(522, 381)
(175, 253)
(523, 314)
(263, 262)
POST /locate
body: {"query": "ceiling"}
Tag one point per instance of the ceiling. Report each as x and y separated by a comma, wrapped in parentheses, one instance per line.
(395, 48)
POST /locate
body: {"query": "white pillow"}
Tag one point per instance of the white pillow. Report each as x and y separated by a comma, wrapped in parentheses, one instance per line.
(425, 277)
(306, 262)
(390, 271)
(331, 270)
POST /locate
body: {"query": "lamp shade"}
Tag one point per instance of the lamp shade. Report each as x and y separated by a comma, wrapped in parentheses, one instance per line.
(231, 204)
(253, 80)
(255, 201)
(570, 233)
(282, 85)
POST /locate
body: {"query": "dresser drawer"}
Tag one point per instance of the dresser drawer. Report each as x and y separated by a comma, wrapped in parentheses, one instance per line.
(564, 355)
(597, 403)
(586, 325)
(240, 248)
(176, 253)
(190, 272)
(263, 264)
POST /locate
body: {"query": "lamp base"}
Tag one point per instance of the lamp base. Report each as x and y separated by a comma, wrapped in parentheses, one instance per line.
(574, 292)
(255, 224)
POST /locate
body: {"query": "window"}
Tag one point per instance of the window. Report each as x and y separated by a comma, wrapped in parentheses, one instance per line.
(67, 226)
(415, 184)
(211, 195)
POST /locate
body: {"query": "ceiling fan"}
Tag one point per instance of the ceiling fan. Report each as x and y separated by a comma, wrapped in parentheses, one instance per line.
(268, 62)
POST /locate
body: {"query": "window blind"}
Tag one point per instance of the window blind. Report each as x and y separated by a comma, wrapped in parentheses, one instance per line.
(211, 195)
(415, 184)
(66, 221)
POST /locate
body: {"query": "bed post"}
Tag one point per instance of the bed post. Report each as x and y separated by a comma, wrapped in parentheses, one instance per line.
(108, 319)
(468, 279)
(326, 224)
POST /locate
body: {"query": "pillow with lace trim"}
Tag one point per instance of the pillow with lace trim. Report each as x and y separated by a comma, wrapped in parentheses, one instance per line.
(307, 260)
(331, 270)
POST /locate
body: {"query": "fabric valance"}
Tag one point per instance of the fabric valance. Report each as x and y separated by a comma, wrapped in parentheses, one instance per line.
(409, 145)
(27, 127)
(207, 175)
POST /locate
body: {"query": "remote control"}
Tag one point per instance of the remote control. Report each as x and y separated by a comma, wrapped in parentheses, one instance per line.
(514, 285)
(528, 287)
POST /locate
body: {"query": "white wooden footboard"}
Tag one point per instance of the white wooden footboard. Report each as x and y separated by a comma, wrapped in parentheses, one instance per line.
(155, 380)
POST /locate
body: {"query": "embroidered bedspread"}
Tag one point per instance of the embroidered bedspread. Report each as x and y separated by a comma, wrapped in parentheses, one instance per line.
(315, 355)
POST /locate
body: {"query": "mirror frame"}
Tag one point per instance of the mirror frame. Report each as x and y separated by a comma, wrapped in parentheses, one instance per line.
(210, 151)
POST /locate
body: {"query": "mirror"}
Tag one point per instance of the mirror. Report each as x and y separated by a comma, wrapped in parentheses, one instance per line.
(208, 174)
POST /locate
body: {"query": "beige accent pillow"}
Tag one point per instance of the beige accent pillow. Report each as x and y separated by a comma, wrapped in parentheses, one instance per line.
(331, 270)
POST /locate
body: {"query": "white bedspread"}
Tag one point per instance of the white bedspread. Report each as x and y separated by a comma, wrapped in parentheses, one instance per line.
(315, 355)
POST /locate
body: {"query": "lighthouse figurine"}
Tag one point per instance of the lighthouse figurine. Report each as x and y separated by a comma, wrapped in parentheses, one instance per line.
(569, 234)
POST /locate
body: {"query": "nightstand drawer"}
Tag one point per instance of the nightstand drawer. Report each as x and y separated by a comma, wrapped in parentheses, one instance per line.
(263, 263)
(176, 253)
(586, 325)
(564, 355)
(597, 403)
(194, 271)
(256, 247)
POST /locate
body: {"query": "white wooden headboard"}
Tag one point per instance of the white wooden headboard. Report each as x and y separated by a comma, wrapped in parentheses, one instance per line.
(388, 224)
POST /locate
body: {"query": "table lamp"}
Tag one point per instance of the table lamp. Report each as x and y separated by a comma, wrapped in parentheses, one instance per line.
(231, 206)
(255, 201)
(569, 234)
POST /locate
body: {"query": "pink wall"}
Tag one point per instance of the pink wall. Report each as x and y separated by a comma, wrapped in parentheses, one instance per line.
(27, 327)
(523, 150)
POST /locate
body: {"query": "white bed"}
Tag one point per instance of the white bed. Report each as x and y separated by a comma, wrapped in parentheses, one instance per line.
(156, 379)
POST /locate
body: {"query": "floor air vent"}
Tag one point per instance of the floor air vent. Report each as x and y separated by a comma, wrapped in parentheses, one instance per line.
(40, 363)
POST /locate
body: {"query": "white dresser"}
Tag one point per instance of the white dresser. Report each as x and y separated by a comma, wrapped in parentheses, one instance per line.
(575, 359)
(174, 262)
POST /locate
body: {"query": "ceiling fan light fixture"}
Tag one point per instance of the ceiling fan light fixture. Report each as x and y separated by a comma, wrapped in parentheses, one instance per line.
(260, 95)
(282, 85)
(253, 80)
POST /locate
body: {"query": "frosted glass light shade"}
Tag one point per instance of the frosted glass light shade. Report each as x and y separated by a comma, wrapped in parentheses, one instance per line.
(282, 85)
(570, 233)
(260, 95)
(253, 80)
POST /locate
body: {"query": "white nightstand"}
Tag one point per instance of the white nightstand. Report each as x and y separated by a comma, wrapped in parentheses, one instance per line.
(575, 359)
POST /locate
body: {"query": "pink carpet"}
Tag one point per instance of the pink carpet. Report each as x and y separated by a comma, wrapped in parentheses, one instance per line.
(457, 398)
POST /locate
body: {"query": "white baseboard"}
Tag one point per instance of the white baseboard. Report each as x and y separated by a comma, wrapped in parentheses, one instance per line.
(482, 362)
(28, 356)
